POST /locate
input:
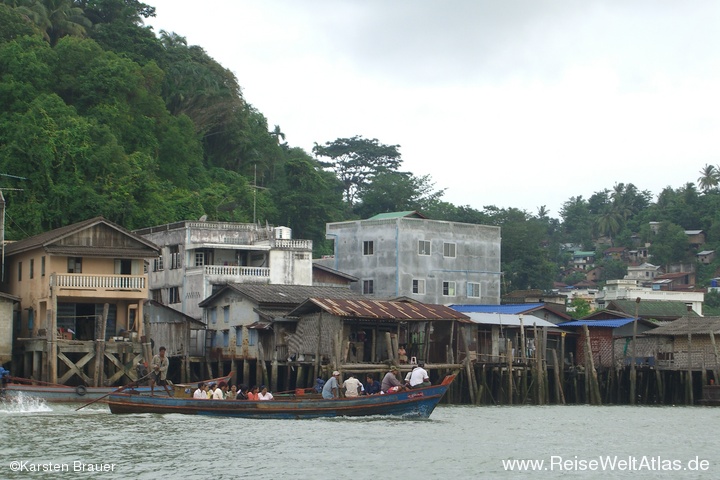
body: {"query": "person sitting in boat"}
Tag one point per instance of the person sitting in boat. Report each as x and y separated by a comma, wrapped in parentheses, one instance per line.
(232, 394)
(353, 387)
(372, 386)
(219, 393)
(419, 377)
(4, 378)
(211, 390)
(264, 394)
(201, 392)
(319, 384)
(253, 393)
(331, 389)
(158, 371)
(241, 395)
(390, 380)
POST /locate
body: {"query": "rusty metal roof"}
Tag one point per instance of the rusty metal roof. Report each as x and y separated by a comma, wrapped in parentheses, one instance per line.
(381, 309)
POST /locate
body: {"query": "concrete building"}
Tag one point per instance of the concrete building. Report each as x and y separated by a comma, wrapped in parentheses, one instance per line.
(197, 256)
(406, 254)
(631, 289)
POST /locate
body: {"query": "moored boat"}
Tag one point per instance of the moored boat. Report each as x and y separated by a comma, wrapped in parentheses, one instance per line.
(416, 403)
(56, 393)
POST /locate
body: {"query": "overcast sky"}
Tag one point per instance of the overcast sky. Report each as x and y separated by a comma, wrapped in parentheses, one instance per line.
(507, 103)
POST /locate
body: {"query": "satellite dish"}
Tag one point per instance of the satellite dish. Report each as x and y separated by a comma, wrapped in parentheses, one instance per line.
(203, 218)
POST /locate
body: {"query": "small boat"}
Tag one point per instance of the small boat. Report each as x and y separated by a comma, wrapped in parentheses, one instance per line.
(710, 395)
(415, 403)
(56, 393)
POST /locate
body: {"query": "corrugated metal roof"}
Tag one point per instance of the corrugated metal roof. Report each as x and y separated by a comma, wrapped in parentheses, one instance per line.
(598, 323)
(514, 308)
(290, 295)
(508, 320)
(652, 308)
(408, 213)
(381, 309)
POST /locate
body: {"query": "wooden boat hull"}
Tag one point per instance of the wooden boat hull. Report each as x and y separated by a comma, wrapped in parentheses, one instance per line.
(69, 394)
(418, 403)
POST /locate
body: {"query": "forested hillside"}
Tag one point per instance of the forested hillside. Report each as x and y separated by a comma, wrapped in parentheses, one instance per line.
(100, 115)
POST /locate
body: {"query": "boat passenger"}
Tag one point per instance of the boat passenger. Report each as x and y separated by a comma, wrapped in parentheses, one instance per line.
(319, 384)
(201, 392)
(253, 393)
(241, 395)
(402, 354)
(331, 389)
(158, 374)
(419, 377)
(264, 394)
(219, 393)
(232, 394)
(353, 387)
(390, 380)
(372, 386)
(211, 390)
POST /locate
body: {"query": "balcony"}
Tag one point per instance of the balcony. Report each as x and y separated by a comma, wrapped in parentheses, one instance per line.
(237, 272)
(79, 284)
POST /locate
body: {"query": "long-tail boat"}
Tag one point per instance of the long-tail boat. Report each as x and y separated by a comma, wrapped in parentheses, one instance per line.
(414, 403)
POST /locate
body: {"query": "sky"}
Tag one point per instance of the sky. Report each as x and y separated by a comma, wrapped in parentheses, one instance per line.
(510, 103)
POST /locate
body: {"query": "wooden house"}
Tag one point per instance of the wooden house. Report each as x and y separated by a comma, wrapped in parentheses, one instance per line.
(610, 341)
(366, 334)
(78, 285)
(688, 343)
(706, 257)
(324, 276)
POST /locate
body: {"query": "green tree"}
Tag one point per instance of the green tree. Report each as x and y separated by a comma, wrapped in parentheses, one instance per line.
(357, 161)
(580, 308)
(396, 192)
(669, 245)
(709, 178)
(577, 222)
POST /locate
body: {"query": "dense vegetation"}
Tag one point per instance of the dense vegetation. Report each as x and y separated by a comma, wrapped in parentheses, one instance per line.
(99, 115)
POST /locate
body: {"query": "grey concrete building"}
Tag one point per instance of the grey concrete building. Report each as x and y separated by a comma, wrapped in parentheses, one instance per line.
(198, 256)
(405, 254)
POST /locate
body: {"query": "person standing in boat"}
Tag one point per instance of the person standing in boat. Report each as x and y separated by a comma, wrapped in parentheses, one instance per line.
(331, 389)
(158, 371)
(352, 386)
(390, 380)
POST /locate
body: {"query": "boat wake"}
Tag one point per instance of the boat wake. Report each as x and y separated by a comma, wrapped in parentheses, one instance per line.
(22, 403)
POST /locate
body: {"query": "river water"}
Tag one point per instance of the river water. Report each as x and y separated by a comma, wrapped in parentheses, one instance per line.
(457, 442)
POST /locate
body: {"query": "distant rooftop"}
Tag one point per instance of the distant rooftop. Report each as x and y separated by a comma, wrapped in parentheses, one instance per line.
(388, 215)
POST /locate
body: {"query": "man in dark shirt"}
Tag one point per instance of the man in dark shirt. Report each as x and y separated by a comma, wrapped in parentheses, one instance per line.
(372, 386)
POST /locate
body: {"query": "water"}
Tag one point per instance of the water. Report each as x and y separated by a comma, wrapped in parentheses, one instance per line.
(456, 442)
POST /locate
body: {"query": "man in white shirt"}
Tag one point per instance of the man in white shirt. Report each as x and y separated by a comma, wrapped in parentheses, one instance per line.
(352, 386)
(219, 393)
(419, 377)
(200, 393)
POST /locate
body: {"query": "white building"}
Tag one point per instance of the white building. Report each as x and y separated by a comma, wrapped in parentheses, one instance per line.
(198, 256)
(631, 289)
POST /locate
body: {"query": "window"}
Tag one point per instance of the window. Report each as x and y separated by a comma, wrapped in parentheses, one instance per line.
(199, 259)
(19, 271)
(418, 287)
(449, 250)
(226, 314)
(156, 295)
(368, 247)
(238, 336)
(213, 315)
(32, 268)
(31, 319)
(174, 295)
(74, 265)
(368, 287)
(252, 337)
(473, 290)
(42, 266)
(424, 247)
(449, 289)
(226, 338)
(158, 264)
(175, 257)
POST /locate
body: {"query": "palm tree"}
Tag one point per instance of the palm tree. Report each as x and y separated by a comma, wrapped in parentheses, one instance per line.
(55, 18)
(277, 133)
(709, 178)
(609, 223)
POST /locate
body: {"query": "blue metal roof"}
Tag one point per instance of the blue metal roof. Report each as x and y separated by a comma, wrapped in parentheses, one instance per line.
(614, 323)
(514, 309)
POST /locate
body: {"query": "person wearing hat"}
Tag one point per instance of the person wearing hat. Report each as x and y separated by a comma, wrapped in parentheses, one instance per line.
(390, 380)
(331, 389)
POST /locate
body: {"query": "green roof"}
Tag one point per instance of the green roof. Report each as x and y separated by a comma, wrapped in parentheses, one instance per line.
(648, 309)
(385, 216)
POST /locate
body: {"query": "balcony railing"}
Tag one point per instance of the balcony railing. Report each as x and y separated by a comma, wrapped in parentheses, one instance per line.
(233, 271)
(97, 282)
